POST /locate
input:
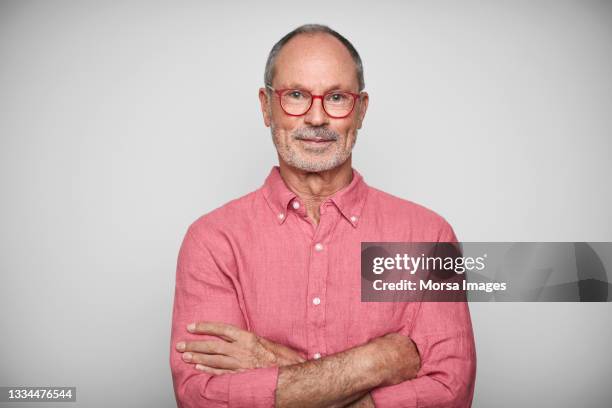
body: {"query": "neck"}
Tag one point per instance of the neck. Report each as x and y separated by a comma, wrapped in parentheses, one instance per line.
(315, 187)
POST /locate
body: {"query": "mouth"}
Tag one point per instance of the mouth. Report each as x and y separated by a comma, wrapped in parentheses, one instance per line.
(316, 141)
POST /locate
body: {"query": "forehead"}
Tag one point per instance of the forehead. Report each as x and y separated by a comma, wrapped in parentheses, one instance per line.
(315, 61)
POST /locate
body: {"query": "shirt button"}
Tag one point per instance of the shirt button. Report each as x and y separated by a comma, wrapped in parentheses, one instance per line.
(354, 218)
(317, 356)
(281, 216)
(316, 301)
(296, 205)
(319, 246)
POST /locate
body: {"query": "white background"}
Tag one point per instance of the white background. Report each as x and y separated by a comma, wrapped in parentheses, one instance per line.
(122, 122)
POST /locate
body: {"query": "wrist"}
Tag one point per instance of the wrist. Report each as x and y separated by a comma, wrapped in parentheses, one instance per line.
(377, 359)
(267, 355)
(395, 357)
(281, 355)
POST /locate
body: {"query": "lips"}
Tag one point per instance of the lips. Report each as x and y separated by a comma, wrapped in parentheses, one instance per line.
(316, 140)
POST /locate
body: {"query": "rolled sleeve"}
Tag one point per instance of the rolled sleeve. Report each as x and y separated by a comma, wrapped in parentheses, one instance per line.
(254, 388)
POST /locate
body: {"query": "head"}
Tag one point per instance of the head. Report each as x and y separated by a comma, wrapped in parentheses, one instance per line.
(316, 59)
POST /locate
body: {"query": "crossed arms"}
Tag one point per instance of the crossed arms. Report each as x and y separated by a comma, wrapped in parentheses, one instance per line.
(218, 364)
(342, 379)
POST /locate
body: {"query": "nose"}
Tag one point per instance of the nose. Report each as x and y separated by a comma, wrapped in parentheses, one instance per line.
(316, 116)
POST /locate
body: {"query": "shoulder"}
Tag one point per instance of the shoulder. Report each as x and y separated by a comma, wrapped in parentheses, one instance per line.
(404, 215)
(221, 222)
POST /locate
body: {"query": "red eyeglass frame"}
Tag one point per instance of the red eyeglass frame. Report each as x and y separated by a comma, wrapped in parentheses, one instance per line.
(279, 92)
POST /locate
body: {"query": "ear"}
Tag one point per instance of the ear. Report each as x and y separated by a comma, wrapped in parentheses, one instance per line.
(264, 101)
(363, 107)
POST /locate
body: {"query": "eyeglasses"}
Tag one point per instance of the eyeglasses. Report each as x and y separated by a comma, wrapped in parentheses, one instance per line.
(297, 102)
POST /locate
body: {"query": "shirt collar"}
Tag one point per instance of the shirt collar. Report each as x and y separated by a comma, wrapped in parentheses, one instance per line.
(349, 200)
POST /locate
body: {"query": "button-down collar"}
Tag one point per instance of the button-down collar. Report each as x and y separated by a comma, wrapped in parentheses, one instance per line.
(349, 200)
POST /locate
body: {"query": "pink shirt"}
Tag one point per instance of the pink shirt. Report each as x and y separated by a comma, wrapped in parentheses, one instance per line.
(259, 263)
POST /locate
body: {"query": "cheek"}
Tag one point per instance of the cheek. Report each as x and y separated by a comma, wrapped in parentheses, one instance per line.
(281, 132)
(284, 125)
(348, 132)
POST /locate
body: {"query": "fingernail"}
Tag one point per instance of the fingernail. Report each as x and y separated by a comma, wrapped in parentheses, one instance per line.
(191, 327)
(180, 346)
(187, 356)
(199, 367)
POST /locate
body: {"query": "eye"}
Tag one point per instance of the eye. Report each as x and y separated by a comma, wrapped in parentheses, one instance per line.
(337, 97)
(294, 94)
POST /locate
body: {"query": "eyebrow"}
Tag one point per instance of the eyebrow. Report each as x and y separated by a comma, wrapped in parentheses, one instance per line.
(296, 85)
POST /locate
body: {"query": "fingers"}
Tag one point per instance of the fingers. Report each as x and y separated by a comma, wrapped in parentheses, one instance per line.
(214, 361)
(223, 330)
(206, 347)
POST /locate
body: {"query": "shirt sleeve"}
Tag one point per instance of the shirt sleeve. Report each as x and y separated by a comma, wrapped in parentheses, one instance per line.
(442, 332)
(204, 292)
(443, 335)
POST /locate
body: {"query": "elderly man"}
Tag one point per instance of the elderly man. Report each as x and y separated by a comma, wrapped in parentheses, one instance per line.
(267, 308)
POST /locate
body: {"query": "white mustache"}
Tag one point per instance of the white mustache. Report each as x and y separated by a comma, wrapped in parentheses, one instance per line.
(315, 133)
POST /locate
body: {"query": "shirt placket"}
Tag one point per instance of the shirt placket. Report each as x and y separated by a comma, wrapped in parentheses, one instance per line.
(320, 246)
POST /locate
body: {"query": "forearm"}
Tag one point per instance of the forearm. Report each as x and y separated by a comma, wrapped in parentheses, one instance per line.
(333, 381)
(345, 377)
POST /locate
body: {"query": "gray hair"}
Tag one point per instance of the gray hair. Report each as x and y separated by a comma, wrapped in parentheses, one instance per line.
(312, 29)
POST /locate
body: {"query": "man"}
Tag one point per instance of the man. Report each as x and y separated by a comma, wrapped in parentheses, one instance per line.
(267, 308)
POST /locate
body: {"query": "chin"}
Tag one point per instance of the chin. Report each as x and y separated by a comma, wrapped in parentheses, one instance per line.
(317, 165)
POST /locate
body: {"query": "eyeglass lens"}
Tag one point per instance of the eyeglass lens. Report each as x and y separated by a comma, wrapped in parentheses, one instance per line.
(297, 102)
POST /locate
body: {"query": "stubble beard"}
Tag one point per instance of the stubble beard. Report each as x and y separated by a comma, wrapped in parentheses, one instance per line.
(311, 159)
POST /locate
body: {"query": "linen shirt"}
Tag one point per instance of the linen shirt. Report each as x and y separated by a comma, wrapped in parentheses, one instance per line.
(260, 263)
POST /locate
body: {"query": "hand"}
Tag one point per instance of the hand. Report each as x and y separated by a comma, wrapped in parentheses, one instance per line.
(284, 355)
(236, 351)
(397, 358)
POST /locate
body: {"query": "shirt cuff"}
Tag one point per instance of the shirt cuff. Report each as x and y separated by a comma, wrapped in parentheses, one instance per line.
(402, 394)
(254, 388)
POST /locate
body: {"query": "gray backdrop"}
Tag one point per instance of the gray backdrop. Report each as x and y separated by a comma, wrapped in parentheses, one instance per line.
(122, 122)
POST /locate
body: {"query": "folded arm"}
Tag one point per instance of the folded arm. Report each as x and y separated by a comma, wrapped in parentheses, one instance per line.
(334, 381)
(345, 377)
(205, 292)
(385, 367)
(251, 371)
(443, 335)
(442, 332)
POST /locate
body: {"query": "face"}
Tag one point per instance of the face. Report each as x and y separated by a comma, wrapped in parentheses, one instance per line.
(313, 142)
